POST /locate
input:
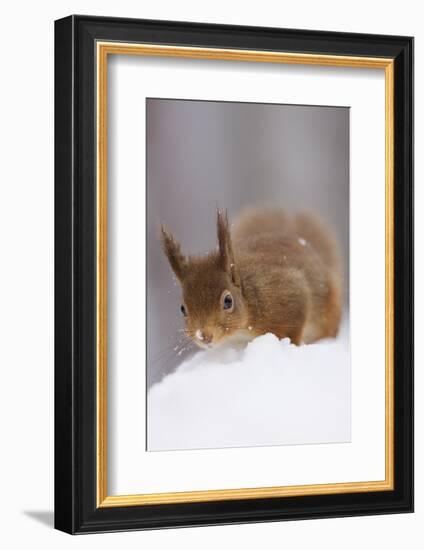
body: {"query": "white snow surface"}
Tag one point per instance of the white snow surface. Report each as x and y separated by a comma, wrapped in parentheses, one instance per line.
(270, 393)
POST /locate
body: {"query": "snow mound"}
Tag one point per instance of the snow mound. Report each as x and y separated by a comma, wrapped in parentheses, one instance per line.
(270, 393)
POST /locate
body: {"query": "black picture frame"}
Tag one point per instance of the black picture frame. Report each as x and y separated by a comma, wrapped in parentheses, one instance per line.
(76, 508)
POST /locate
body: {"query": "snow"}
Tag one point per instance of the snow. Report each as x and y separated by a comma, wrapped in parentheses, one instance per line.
(270, 393)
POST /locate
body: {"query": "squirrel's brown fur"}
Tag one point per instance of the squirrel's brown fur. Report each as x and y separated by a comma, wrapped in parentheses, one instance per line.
(282, 272)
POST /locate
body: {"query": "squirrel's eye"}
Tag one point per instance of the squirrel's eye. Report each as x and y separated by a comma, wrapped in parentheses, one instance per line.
(183, 310)
(227, 302)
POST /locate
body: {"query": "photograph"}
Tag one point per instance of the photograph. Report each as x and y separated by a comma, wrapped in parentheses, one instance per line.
(247, 315)
(208, 294)
(233, 274)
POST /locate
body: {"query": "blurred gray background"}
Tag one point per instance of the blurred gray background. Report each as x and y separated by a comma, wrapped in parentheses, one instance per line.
(203, 154)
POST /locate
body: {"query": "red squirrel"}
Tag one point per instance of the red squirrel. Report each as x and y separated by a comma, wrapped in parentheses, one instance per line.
(272, 272)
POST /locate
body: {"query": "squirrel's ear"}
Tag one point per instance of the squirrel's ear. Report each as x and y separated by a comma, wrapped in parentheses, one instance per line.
(225, 247)
(172, 249)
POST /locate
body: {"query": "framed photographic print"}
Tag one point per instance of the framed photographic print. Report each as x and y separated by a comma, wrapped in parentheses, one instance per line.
(234, 274)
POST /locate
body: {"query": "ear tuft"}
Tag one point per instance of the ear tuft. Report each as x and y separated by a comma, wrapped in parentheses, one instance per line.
(225, 246)
(172, 249)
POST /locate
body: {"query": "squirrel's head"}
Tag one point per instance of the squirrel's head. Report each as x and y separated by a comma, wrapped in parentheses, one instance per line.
(212, 305)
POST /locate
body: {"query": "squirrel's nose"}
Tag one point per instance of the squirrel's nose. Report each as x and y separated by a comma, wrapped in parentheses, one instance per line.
(207, 337)
(204, 336)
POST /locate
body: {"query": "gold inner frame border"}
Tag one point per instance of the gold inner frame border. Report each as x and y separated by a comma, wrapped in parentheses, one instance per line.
(103, 50)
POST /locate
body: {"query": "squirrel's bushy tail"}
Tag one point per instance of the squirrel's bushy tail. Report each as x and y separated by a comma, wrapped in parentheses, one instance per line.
(319, 235)
(304, 225)
(255, 221)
